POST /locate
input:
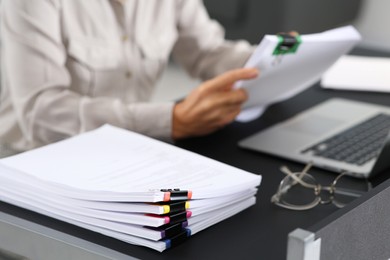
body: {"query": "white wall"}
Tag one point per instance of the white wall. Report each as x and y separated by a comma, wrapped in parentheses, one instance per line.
(373, 22)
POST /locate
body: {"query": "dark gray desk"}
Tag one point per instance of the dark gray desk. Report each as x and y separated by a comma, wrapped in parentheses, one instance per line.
(259, 232)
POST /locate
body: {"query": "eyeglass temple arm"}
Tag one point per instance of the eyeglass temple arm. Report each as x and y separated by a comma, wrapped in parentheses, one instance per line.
(298, 178)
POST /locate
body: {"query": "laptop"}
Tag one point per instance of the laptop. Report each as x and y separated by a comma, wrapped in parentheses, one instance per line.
(337, 135)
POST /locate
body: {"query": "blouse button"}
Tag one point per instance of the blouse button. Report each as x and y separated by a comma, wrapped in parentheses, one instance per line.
(125, 38)
(128, 74)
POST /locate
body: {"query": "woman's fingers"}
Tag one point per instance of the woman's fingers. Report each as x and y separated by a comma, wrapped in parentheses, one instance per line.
(229, 78)
(211, 106)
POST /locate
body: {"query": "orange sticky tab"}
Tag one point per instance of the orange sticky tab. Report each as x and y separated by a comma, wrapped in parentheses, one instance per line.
(167, 196)
(189, 194)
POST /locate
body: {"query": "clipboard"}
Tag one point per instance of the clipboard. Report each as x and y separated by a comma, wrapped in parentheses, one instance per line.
(288, 65)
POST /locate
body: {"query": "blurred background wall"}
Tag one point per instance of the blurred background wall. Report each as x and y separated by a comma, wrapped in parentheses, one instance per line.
(250, 19)
(373, 22)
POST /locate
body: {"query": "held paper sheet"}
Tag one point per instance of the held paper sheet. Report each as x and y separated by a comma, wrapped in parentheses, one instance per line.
(283, 76)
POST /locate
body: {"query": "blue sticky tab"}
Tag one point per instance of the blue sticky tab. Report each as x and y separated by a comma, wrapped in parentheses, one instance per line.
(167, 243)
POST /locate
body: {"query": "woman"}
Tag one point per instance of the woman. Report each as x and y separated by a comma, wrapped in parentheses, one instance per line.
(70, 66)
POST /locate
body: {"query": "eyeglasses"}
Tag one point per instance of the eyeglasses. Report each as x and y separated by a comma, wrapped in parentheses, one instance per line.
(300, 190)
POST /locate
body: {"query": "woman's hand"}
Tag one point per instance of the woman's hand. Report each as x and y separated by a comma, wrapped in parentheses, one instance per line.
(211, 105)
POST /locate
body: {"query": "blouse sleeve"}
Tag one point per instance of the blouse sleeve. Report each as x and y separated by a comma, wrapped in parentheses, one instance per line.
(38, 82)
(201, 47)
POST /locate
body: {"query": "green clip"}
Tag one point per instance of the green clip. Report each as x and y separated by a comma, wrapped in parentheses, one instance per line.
(287, 44)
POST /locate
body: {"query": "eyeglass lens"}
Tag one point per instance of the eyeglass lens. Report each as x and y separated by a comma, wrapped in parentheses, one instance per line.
(348, 189)
(295, 194)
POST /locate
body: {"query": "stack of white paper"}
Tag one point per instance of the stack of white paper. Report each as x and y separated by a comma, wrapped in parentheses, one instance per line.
(109, 180)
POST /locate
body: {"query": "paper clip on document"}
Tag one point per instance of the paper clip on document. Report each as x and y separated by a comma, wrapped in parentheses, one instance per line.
(288, 44)
(174, 206)
(176, 194)
(175, 230)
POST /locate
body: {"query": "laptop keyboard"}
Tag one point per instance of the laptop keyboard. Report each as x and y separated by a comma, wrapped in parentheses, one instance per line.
(356, 145)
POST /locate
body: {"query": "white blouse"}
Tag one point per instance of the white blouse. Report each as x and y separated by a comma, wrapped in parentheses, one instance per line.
(69, 66)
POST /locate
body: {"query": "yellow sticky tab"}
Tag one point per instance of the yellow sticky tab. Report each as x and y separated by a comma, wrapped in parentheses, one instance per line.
(166, 209)
(187, 204)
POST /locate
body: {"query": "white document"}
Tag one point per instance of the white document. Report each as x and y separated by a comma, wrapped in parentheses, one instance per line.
(283, 76)
(118, 165)
(358, 73)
